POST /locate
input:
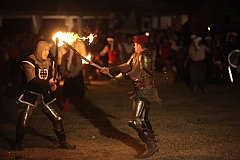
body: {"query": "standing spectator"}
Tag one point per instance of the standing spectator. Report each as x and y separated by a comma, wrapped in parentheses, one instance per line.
(38, 91)
(90, 71)
(220, 68)
(209, 57)
(140, 69)
(167, 50)
(13, 70)
(231, 44)
(13, 50)
(179, 58)
(112, 50)
(126, 49)
(71, 68)
(23, 50)
(196, 56)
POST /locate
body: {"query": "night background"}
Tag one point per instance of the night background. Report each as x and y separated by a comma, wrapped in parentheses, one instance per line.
(189, 126)
(220, 15)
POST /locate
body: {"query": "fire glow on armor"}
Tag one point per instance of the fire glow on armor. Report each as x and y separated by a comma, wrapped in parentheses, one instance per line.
(70, 38)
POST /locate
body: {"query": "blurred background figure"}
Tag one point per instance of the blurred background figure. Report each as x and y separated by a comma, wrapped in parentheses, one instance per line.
(113, 52)
(209, 57)
(219, 67)
(126, 48)
(167, 49)
(196, 56)
(91, 72)
(229, 45)
(71, 68)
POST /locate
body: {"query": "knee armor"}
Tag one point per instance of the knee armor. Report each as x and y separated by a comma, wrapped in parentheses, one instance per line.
(139, 115)
(54, 115)
(24, 119)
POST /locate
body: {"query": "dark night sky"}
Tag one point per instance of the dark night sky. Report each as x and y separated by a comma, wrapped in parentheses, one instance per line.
(85, 6)
(105, 6)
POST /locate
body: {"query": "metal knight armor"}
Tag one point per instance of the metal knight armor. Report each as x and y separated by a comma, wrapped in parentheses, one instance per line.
(142, 70)
(36, 72)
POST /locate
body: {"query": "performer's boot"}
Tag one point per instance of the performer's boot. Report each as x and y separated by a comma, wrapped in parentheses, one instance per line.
(17, 144)
(66, 104)
(62, 140)
(149, 139)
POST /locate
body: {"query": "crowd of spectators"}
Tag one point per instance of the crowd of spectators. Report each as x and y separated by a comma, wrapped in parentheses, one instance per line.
(169, 48)
(13, 48)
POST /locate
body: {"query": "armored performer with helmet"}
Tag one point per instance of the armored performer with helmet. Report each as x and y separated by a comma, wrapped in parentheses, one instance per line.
(140, 69)
(38, 91)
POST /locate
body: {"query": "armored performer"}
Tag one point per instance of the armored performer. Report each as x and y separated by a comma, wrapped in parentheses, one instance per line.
(38, 91)
(140, 69)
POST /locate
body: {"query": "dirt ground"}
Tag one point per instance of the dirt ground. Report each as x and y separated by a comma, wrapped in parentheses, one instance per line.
(200, 126)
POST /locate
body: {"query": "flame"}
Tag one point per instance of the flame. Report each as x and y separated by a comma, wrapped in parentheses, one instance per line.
(90, 37)
(71, 37)
(68, 37)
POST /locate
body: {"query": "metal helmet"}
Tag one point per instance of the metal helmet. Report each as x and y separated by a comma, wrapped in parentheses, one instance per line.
(41, 45)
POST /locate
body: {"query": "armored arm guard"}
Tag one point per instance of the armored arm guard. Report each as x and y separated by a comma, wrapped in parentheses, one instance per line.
(123, 68)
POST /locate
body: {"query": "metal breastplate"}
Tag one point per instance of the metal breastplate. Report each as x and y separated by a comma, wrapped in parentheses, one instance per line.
(142, 67)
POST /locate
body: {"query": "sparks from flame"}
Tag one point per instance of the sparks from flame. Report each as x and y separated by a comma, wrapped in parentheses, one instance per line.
(90, 37)
(88, 57)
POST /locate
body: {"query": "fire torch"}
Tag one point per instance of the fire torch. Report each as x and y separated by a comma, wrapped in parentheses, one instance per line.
(84, 58)
(56, 61)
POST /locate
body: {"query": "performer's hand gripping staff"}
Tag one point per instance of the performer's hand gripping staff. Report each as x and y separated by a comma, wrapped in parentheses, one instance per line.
(116, 72)
(90, 62)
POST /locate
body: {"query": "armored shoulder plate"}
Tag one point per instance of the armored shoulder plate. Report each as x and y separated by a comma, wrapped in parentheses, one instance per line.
(147, 62)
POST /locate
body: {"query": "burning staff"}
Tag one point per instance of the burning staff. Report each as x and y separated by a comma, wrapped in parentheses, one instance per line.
(68, 38)
(84, 58)
(56, 61)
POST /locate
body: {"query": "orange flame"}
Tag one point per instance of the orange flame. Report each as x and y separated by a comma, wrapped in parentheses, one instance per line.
(90, 37)
(70, 37)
